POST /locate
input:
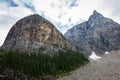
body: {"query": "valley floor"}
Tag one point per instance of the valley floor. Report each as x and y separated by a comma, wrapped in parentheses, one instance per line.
(106, 68)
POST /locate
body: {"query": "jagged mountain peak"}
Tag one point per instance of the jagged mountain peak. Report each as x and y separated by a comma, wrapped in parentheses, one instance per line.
(96, 16)
(98, 34)
(96, 13)
(98, 20)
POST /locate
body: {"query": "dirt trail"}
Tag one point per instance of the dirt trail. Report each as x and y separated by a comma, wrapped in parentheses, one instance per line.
(106, 68)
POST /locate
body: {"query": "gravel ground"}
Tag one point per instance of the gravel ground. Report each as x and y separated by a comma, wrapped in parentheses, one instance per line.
(106, 68)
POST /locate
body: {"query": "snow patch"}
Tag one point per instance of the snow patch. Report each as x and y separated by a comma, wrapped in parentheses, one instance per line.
(94, 56)
(106, 52)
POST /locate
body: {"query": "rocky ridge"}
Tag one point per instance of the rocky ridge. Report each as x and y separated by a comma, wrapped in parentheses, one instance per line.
(98, 34)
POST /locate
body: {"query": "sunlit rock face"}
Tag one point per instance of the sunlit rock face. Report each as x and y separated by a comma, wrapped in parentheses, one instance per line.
(98, 34)
(34, 33)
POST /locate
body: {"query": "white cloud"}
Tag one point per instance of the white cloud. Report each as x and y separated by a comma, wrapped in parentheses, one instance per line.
(58, 11)
(3, 34)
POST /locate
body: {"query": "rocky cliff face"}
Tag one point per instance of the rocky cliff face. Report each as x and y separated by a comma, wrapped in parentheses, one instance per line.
(98, 34)
(34, 33)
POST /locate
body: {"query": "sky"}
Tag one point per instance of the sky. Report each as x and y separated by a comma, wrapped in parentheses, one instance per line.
(64, 14)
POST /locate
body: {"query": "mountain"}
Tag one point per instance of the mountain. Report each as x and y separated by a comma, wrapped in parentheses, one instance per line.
(35, 33)
(98, 34)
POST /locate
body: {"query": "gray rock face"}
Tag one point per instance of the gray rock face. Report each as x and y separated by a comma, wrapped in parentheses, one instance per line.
(98, 34)
(34, 33)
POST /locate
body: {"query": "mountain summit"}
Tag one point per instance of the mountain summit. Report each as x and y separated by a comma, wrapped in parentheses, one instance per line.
(96, 15)
(98, 19)
(98, 34)
(34, 33)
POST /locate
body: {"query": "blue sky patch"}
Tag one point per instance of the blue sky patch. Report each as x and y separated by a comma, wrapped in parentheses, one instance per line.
(11, 3)
(29, 5)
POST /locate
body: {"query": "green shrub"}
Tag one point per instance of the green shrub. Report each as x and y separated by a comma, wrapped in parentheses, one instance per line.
(41, 64)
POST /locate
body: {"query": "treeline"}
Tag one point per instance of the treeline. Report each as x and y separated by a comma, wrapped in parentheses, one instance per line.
(41, 64)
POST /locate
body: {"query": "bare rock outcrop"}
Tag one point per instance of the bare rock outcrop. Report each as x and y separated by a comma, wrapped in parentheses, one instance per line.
(35, 33)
